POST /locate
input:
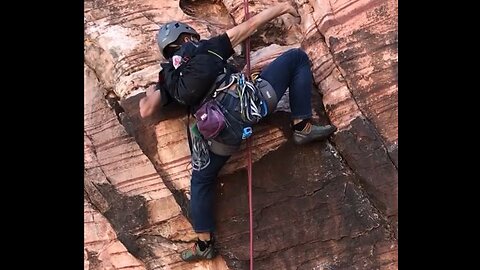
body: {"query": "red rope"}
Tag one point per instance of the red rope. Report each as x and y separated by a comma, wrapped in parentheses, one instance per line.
(249, 169)
(247, 41)
(249, 143)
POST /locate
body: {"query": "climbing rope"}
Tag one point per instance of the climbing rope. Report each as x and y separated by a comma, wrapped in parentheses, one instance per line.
(249, 143)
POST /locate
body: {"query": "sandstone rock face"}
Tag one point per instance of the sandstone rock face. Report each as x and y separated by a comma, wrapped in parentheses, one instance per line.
(141, 224)
(356, 69)
(328, 205)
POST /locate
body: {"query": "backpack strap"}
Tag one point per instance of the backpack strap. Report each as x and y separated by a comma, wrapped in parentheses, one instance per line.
(216, 54)
(189, 135)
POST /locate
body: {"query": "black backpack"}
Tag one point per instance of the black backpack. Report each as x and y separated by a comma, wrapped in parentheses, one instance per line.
(190, 83)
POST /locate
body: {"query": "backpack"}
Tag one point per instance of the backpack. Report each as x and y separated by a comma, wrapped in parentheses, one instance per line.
(192, 80)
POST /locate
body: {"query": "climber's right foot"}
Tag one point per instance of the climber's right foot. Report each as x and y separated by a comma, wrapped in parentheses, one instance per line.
(313, 133)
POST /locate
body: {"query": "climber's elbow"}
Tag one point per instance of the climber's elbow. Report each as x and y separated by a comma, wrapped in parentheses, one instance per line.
(149, 103)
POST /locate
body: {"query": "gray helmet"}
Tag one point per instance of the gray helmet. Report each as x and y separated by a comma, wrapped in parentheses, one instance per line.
(169, 32)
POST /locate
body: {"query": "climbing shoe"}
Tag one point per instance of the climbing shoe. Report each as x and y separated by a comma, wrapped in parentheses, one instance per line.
(200, 251)
(312, 133)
